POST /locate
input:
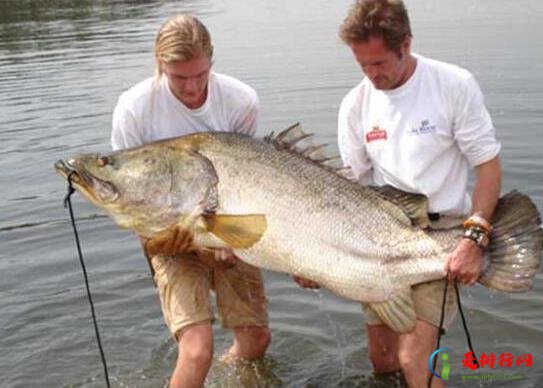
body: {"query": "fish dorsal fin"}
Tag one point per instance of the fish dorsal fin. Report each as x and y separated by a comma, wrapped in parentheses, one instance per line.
(398, 312)
(238, 231)
(296, 141)
(415, 206)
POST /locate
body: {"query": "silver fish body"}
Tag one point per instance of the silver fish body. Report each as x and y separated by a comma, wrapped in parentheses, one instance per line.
(322, 226)
(362, 243)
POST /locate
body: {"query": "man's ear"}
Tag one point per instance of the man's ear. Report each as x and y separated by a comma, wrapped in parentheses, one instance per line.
(406, 46)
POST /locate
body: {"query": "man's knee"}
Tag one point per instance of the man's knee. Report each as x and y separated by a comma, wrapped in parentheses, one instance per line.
(196, 345)
(414, 364)
(409, 360)
(196, 355)
(261, 337)
(416, 347)
(258, 338)
(250, 342)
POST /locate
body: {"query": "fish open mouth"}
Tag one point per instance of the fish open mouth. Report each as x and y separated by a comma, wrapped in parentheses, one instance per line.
(95, 189)
(67, 171)
(79, 180)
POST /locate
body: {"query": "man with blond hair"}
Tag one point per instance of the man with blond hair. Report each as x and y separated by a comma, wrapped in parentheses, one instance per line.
(419, 125)
(184, 97)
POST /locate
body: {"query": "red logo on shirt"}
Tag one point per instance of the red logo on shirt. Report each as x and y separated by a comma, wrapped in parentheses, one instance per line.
(376, 133)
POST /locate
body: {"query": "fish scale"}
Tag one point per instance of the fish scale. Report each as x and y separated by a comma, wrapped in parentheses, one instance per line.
(335, 241)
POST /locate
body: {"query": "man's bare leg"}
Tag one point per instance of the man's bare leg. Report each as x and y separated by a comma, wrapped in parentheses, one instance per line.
(250, 343)
(195, 353)
(415, 348)
(383, 348)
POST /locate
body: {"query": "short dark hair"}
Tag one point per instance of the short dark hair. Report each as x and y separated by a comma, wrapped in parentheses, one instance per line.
(386, 19)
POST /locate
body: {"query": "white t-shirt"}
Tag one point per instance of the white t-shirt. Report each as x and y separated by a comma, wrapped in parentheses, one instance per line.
(149, 111)
(420, 137)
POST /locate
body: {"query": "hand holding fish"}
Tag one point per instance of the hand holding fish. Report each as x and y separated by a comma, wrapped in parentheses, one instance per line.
(178, 240)
(465, 262)
(170, 243)
(226, 256)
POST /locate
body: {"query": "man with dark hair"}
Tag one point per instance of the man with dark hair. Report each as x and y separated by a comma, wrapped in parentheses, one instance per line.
(419, 125)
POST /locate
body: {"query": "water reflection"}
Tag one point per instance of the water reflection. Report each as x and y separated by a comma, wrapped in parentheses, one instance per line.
(16, 11)
(47, 24)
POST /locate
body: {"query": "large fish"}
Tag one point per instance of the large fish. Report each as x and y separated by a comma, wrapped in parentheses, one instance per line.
(281, 208)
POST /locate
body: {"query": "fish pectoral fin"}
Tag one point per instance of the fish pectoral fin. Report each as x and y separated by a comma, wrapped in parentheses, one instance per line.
(398, 312)
(238, 231)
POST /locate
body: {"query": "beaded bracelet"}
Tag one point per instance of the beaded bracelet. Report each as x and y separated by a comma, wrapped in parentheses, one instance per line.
(476, 221)
(478, 236)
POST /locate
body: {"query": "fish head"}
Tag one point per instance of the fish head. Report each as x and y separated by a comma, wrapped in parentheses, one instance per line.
(147, 189)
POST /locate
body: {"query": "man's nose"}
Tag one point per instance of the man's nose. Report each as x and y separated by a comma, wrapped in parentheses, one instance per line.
(370, 71)
(191, 85)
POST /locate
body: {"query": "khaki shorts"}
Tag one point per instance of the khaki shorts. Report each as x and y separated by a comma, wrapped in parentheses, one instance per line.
(428, 298)
(184, 283)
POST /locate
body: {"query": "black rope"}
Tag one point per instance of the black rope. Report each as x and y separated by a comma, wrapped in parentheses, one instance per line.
(68, 203)
(464, 324)
(442, 331)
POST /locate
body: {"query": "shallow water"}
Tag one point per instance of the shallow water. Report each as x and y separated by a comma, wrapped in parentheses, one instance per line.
(63, 65)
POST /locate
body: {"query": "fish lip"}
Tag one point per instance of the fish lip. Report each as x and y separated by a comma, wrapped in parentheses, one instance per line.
(70, 172)
(64, 169)
(84, 182)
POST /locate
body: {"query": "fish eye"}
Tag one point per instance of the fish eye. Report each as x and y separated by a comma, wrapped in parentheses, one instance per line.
(102, 161)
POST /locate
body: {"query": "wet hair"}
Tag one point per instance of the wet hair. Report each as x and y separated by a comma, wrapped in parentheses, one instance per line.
(181, 38)
(386, 19)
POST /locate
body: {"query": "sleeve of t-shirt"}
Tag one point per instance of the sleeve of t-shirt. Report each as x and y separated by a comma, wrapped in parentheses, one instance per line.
(246, 118)
(473, 128)
(351, 146)
(125, 130)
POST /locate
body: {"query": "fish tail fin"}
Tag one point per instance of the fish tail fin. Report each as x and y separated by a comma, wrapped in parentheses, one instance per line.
(516, 241)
